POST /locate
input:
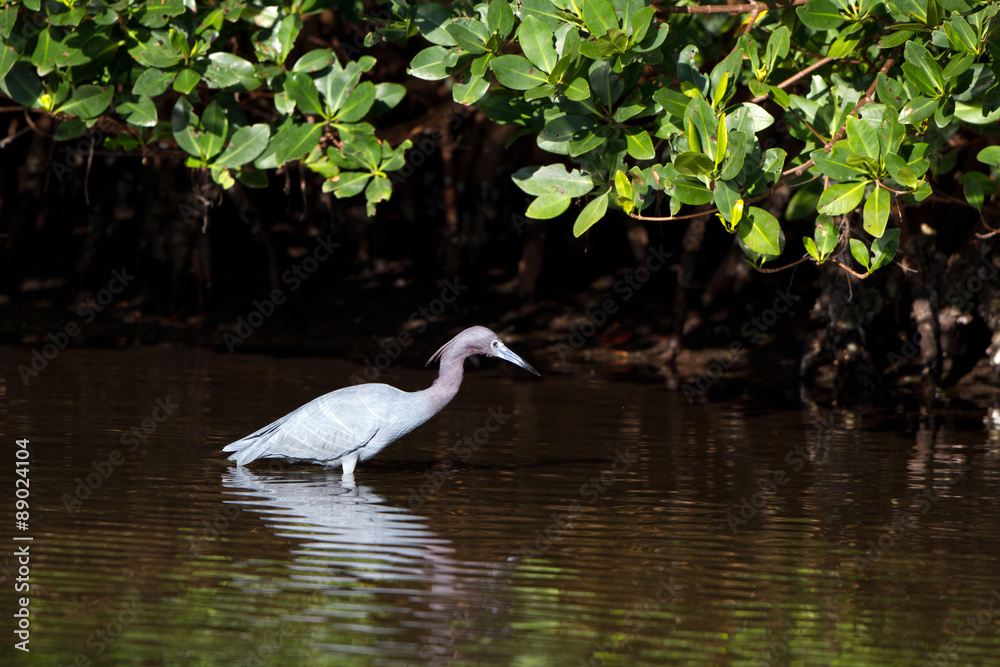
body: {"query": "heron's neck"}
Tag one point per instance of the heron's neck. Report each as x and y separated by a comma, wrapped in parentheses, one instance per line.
(448, 381)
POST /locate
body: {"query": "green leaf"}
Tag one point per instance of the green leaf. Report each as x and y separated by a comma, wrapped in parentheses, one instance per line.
(578, 89)
(517, 73)
(638, 144)
(182, 123)
(216, 128)
(759, 231)
(860, 252)
(186, 81)
(358, 103)
(918, 55)
(591, 214)
(975, 186)
(842, 47)
(862, 138)
(398, 158)
(866, 164)
(315, 61)
(640, 24)
(432, 20)
(820, 15)
(688, 191)
(906, 177)
(723, 140)
(379, 189)
(361, 144)
(890, 136)
(23, 85)
(876, 212)
(933, 13)
(539, 92)
(695, 164)
(8, 55)
(387, 96)
(834, 164)
(738, 149)
(553, 178)
(245, 145)
(536, 41)
(727, 193)
(606, 84)
(919, 79)
(347, 184)
(961, 36)
(884, 249)
(87, 102)
(890, 92)
(580, 145)
(673, 102)
(294, 141)
(623, 186)
(471, 90)
(252, 179)
(894, 39)
(827, 236)
(152, 82)
(429, 64)
(917, 110)
(285, 34)
(810, 247)
(70, 129)
(841, 198)
(703, 119)
(957, 66)
(230, 72)
(802, 203)
(469, 34)
(557, 134)
(140, 113)
(336, 85)
(301, 88)
(990, 155)
(548, 206)
(777, 47)
(51, 53)
(599, 16)
(500, 18)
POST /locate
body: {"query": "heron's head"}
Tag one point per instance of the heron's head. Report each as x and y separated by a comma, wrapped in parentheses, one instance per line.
(480, 340)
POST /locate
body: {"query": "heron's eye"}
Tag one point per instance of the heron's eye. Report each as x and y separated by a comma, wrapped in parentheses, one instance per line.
(495, 344)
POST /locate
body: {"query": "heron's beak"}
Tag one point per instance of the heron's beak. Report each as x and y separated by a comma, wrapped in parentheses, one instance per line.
(505, 354)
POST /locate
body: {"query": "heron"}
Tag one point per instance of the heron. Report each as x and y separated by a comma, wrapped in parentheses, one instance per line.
(356, 423)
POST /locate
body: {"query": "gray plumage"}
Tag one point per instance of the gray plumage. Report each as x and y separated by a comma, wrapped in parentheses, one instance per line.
(356, 423)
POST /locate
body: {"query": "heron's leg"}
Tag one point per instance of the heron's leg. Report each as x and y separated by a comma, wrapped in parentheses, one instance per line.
(349, 463)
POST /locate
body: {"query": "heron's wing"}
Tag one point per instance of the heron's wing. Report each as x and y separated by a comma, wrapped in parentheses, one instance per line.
(325, 429)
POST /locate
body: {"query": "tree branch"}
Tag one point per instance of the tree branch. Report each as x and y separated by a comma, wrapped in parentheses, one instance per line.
(753, 7)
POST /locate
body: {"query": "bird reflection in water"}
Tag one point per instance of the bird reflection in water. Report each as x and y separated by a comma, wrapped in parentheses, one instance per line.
(353, 542)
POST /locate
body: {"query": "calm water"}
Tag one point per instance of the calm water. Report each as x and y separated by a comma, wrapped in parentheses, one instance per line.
(601, 523)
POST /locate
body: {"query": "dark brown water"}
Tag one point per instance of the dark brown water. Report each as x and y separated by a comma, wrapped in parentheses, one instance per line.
(600, 523)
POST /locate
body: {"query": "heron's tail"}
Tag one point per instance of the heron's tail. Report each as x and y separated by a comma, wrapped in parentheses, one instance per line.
(254, 446)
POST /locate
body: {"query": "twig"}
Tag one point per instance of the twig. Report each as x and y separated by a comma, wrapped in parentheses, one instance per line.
(86, 174)
(782, 268)
(795, 77)
(11, 137)
(673, 218)
(854, 273)
(729, 9)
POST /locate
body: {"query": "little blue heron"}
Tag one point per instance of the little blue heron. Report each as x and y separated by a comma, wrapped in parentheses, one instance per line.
(356, 423)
